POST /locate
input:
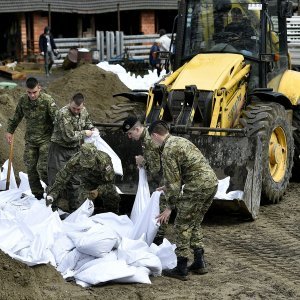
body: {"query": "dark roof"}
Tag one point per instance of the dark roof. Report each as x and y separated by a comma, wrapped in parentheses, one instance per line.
(85, 6)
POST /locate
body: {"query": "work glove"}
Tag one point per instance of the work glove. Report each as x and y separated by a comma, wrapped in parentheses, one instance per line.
(49, 200)
(93, 194)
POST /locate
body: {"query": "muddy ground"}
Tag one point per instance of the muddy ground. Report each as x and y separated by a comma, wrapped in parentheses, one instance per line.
(247, 260)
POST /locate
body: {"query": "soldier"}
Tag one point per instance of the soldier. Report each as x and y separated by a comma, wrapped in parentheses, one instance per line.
(190, 185)
(72, 124)
(150, 160)
(95, 172)
(39, 111)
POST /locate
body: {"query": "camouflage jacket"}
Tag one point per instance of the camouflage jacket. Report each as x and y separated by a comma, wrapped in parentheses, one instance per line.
(151, 153)
(184, 164)
(39, 115)
(94, 170)
(69, 128)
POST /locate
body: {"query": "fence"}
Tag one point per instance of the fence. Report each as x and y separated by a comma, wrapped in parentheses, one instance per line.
(110, 46)
(293, 36)
(113, 46)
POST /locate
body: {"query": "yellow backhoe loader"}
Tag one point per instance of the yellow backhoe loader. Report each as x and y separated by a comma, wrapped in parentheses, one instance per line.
(232, 93)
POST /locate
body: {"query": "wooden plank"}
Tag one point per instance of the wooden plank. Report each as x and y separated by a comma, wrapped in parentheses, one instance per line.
(10, 74)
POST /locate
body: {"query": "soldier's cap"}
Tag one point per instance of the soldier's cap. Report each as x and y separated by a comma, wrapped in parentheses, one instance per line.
(158, 122)
(129, 123)
(88, 155)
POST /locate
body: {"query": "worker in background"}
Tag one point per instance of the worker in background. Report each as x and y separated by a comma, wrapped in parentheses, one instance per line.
(39, 110)
(71, 126)
(164, 40)
(48, 49)
(190, 185)
(241, 29)
(153, 57)
(150, 160)
(164, 45)
(96, 175)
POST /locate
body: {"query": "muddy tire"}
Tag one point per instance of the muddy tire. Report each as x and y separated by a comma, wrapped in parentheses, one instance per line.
(269, 121)
(296, 135)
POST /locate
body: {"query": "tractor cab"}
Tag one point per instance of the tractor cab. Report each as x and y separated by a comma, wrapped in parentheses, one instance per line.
(255, 29)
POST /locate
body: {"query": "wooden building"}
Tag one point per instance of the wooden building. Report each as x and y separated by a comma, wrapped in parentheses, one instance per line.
(23, 21)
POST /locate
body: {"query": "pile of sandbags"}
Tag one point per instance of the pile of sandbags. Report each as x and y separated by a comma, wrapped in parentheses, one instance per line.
(90, 249)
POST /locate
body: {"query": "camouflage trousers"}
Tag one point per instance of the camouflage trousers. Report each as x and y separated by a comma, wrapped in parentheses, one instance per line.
(191, 209)
(36, 160)
(162, 228)
(58, 157)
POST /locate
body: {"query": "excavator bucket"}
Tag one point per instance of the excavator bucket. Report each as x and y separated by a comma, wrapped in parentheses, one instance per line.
(236, 156)
(240, 159)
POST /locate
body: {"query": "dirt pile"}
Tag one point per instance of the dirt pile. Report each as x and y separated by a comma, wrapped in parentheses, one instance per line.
(18, 281)
(96, 84)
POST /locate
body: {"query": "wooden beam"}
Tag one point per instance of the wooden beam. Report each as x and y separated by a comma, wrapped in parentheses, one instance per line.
(10, 74)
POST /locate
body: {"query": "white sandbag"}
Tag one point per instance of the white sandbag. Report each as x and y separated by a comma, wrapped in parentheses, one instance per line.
(3, 177)
(83, 225)
(69, 262)
(98, 141)
(84, 211)
(20, 206)
(222, 191)
(146, 222)
(137, 253)
(31, 262)
(97, 241)
(111, 256)
(122, 225)
(43, 238)
(35, 213)
(141, 276)
(150, 261)
(105, 271)
(83, 260)
(24, 183)
(142, 197)
(10, 235)
(8, 196)
(166, 253)
(62, 246)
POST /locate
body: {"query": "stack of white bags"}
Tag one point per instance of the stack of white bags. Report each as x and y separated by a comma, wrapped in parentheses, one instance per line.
(91, 249)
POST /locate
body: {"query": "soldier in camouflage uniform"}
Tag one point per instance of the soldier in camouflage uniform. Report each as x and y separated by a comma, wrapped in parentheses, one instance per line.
(190, 185)
(96, 175)
(150, 160)
(39, 111)
(72, 124)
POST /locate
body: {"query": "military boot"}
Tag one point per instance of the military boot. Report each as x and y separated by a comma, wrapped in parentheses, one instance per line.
(180, 272)
(199, 265)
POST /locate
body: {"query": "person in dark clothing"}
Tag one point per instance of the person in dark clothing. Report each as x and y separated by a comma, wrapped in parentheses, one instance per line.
(153, 57)
(241, 30)
(48, 49)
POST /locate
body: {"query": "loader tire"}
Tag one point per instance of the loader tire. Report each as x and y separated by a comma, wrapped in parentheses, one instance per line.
(296, 135)
(268, 120)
